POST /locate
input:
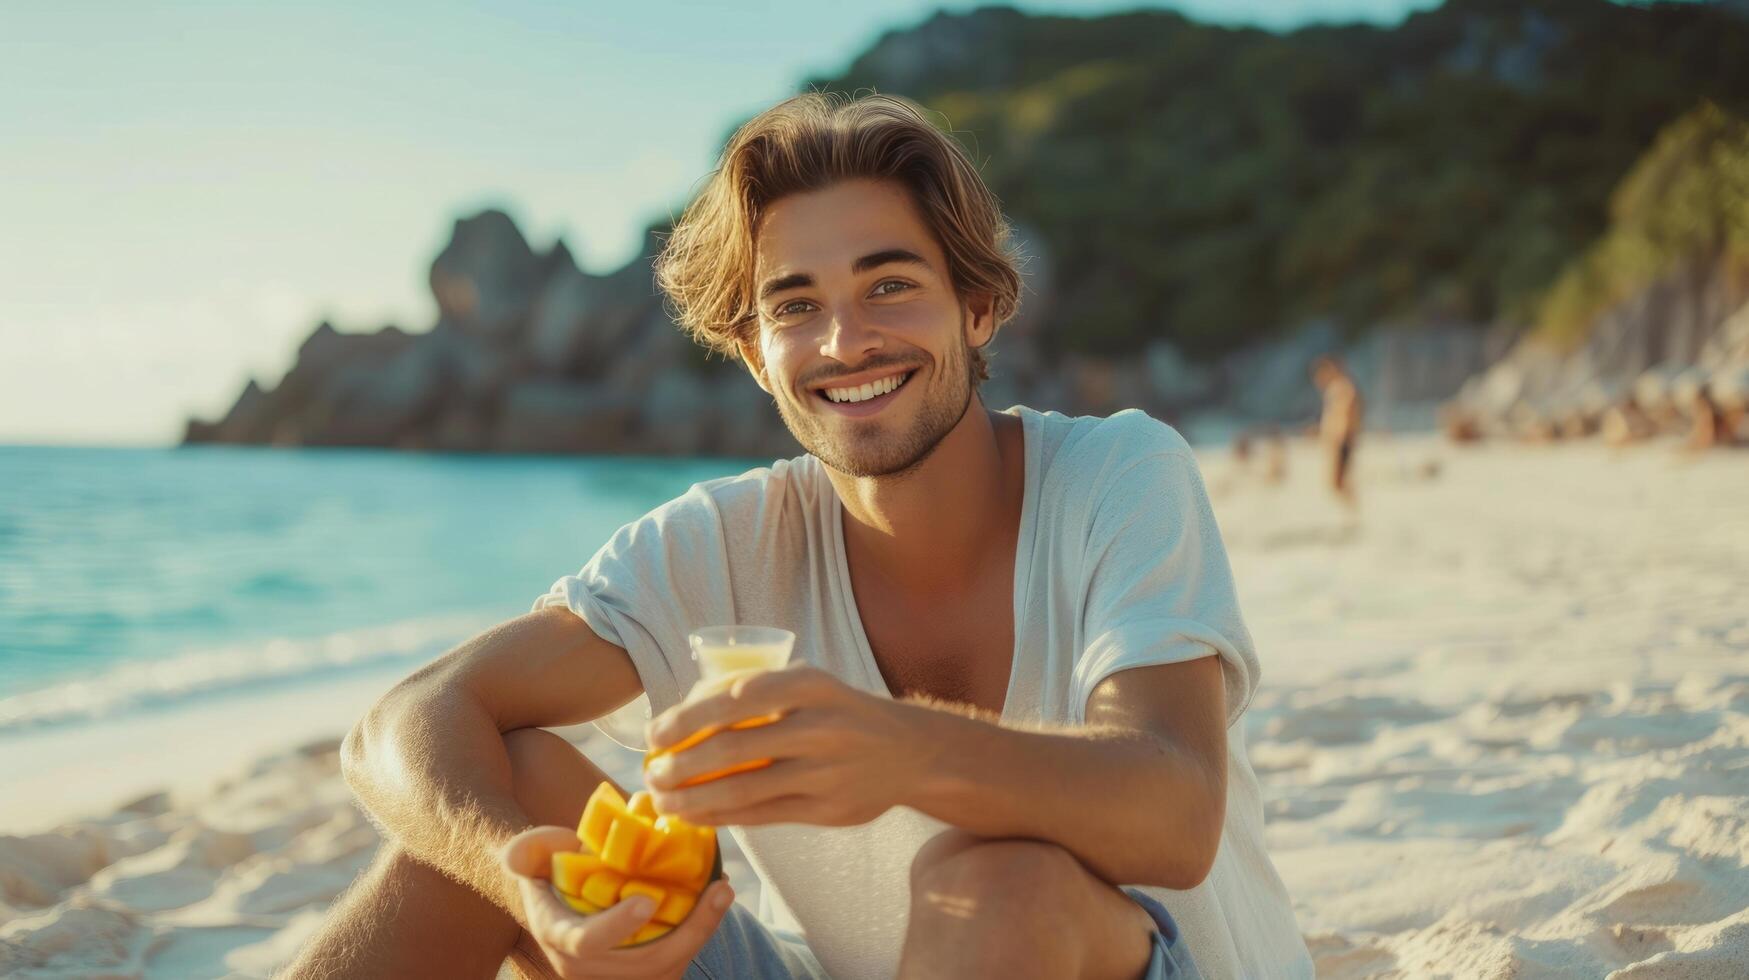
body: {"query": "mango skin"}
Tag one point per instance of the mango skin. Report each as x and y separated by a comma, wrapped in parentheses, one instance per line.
(704, 733)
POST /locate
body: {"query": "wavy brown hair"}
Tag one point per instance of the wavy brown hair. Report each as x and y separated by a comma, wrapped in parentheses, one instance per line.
(807, 143)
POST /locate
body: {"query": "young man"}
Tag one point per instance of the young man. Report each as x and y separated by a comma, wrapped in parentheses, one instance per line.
(1010, 744)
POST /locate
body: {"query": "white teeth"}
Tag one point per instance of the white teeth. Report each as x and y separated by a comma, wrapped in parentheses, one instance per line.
(863, 393)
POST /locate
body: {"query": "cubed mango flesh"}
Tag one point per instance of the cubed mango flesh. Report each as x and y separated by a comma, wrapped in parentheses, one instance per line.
(672, 857)
(583, 906)
(598, 816)
(572, 868)
(675, 906)
(638, 886)
(602, 887)
(625, 843)
(628, 853)
(707, 854)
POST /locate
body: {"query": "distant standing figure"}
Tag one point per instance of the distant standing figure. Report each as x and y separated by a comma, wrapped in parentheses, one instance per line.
(1339, 427)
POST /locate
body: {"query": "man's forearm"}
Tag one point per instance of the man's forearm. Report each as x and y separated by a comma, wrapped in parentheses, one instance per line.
(430, 766)
(1131, 807)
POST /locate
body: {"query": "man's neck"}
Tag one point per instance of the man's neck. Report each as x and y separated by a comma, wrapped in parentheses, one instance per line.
(931, 528)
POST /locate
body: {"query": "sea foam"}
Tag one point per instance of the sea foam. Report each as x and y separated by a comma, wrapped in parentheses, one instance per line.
(162, 683)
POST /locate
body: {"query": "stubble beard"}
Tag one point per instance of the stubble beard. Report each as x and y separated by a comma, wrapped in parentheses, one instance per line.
(870, 450)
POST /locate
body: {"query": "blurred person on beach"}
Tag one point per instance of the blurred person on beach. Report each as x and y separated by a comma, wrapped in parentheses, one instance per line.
(1709, 427)
(1274, 456)
(1011, 741)
(1339, 425)
(1265, 446)
(1624, 424)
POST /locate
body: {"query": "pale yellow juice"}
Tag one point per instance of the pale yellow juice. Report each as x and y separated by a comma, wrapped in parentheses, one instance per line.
(721, 665)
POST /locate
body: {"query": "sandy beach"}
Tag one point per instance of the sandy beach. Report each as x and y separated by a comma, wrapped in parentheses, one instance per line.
(1503, 732)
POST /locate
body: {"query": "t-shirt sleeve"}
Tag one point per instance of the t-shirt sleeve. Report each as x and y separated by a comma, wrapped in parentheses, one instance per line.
(650, 585)
(1158, 586)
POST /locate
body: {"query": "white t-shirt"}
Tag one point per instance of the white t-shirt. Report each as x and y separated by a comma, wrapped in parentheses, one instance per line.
(1119, 565)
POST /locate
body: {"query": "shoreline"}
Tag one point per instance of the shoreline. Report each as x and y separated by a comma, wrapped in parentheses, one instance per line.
(53, 777)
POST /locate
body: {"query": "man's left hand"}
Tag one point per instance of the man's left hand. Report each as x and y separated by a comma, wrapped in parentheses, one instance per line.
(839, 756)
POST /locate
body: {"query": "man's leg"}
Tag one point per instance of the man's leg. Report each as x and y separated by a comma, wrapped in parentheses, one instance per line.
(404, 918)
(1018, 908)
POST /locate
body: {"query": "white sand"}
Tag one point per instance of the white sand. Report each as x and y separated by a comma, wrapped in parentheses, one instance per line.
(1504, 731)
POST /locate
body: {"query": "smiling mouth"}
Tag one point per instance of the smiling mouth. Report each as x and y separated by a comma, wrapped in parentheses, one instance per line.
(862, 394)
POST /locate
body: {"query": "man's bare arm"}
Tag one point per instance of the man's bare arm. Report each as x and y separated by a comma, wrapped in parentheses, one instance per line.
(1138, 794)
(428, 760)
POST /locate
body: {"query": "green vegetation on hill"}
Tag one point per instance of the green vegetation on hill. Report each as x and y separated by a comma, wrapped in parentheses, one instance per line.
(1209, 185)
(1687, 199)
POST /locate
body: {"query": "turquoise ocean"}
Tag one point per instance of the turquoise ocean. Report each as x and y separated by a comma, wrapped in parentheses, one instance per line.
(139, 581)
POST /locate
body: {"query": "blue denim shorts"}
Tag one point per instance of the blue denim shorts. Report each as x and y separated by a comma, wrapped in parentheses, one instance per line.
(743, 948)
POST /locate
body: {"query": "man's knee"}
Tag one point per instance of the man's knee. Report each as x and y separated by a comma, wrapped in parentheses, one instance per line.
(957, 874)
(938, 849)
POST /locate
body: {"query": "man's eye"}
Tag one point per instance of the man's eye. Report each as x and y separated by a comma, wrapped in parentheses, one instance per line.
(882, 288)
(794, 306)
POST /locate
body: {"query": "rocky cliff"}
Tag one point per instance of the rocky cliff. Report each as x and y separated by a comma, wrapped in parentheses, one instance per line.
(528, 354)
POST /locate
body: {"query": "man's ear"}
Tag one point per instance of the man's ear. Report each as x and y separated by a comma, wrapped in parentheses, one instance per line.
(980, 319)
(754, 361)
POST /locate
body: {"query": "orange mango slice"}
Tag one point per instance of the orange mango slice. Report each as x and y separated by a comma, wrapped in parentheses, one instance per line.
(625, 843)
(704, 733)
(676, 860)
(581, 905)
(706, 838)
(659, 854)
(572, 868)
(638, 886)
(674, 908)
(604, 805)
(602, 887)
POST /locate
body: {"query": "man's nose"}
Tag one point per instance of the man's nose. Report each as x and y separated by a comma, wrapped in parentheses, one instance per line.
(849, 339)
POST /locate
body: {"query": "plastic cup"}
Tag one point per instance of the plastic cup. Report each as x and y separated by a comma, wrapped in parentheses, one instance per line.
(724, 655)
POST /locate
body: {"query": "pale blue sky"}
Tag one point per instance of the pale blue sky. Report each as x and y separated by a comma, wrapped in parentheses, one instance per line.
(185, 189)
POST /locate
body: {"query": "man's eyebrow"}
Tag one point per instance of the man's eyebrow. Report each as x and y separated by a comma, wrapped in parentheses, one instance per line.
(885, 256)
(794, 280)
(873, 260)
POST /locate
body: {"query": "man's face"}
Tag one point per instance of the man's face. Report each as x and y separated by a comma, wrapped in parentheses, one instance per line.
(854, 298)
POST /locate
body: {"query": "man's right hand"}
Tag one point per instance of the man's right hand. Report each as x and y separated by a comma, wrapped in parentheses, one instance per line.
(586, 947)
